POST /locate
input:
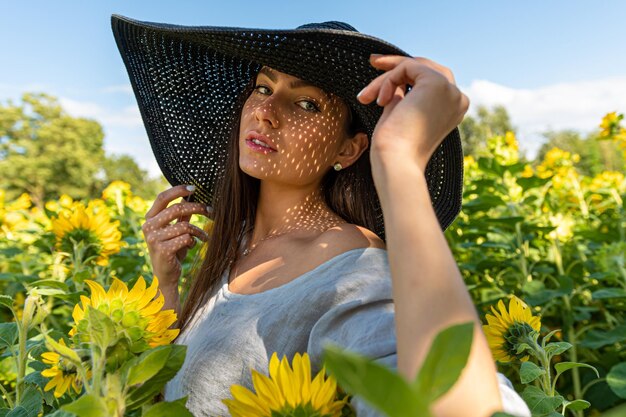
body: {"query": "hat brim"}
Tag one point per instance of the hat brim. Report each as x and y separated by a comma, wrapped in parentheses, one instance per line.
(187, 80)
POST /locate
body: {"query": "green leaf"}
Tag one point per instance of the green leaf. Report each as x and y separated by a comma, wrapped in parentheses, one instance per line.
(547, 337)
(556, 348)
(50, 291)
(167, 409)
(88, 405)
(577, 405)
(12, 276)
(31, 404)
(32, 399)
(8, 334)
(148, 365)
(619, 411)
(50, 283)
(445, 361)
(596, 339)
(145, 392)
(564, 366)
(63, 350)
(18, 411)
(616, 378)
(539, 402)
(6, 301)
(529, 371)
(608, 293)
(379, 386)
(101, 329)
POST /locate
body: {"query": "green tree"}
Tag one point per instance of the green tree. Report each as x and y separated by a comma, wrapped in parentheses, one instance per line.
(45, 152)
(595, 156)
(475, 130)
(125, 168)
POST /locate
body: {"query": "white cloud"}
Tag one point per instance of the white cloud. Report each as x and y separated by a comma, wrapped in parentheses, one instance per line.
(123, 117)
(576, 105)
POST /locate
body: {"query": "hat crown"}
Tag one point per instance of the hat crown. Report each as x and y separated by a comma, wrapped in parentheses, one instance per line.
(332, 24)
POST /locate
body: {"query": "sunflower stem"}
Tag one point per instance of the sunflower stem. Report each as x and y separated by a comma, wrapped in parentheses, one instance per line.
(523, 252)
(571, 336)
(7, 396)
(584, 208)
(97, 370)
(540, 354)
(21, 362)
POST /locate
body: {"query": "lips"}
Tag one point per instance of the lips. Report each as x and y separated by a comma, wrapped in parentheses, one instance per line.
(252, 134)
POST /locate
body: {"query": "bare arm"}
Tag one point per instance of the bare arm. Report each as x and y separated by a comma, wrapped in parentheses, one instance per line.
(428, 290)
(429, 293)
(172, 301)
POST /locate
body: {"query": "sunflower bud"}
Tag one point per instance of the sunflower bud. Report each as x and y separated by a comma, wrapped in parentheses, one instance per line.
(30, 307)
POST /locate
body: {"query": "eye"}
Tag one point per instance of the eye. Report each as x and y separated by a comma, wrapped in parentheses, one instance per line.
(310, 106)
(260, 87)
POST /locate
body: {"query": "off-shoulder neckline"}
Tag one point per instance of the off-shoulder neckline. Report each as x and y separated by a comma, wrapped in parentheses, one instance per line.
(229, 294)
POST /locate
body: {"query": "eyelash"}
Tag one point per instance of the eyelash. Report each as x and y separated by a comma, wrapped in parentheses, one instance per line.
(315, 105)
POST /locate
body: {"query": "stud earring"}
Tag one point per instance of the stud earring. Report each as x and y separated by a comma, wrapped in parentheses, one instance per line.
(337, 166)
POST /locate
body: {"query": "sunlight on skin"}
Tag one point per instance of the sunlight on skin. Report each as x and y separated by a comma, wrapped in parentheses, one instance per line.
(306, 129)
(305, 147)
(294, 229)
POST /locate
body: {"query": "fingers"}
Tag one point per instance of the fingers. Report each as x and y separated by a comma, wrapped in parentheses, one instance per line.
(167, 196)
(157, 236)
(180, 211)
(388, 62)
(175, 248)
(400, 71)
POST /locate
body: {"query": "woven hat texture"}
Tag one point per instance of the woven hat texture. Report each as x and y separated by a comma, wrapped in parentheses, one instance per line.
(187, 80)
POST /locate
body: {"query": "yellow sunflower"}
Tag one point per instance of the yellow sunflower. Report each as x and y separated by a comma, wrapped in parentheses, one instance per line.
(137, 312)
(287, 392)
(91, 225)
(62, 372)
(610, 124)
(508, 328)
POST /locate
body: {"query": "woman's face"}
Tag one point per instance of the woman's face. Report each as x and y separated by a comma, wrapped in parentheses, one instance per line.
(304, 127)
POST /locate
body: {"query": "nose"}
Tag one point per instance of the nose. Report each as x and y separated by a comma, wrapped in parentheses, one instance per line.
(266, 111)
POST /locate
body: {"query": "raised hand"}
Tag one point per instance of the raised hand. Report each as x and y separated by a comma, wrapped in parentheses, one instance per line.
(415, 124)
(168, 243)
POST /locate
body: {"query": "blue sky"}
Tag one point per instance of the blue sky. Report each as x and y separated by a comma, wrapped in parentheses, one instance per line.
(557, 64)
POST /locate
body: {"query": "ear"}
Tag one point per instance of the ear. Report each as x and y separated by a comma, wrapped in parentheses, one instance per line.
(352, 149)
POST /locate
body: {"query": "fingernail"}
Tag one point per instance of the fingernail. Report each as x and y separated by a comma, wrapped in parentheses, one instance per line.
(360, 92)
(209, 209)
(191, 188)
(375, 55)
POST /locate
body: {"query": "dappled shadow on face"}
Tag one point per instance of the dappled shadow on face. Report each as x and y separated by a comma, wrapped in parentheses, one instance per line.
(303, 126)
(291, 135)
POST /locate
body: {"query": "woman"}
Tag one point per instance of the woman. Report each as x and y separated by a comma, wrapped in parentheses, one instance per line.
(329, 209)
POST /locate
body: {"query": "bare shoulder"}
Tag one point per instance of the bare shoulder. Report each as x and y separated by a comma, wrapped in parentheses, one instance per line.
(349, 236)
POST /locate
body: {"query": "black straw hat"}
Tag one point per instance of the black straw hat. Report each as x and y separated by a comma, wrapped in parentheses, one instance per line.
(188, 79)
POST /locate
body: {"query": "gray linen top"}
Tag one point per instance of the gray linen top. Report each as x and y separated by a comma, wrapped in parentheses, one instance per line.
(347, 300)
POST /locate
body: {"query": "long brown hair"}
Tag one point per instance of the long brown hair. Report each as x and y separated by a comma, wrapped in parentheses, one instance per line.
(349, 193)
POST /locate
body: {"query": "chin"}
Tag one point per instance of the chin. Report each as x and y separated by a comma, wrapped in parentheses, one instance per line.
(253, 168)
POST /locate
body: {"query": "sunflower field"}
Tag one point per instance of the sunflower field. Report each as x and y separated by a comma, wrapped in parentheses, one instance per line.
(542, 250)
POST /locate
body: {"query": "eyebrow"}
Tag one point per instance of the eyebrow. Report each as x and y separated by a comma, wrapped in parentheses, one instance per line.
(269, 73)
